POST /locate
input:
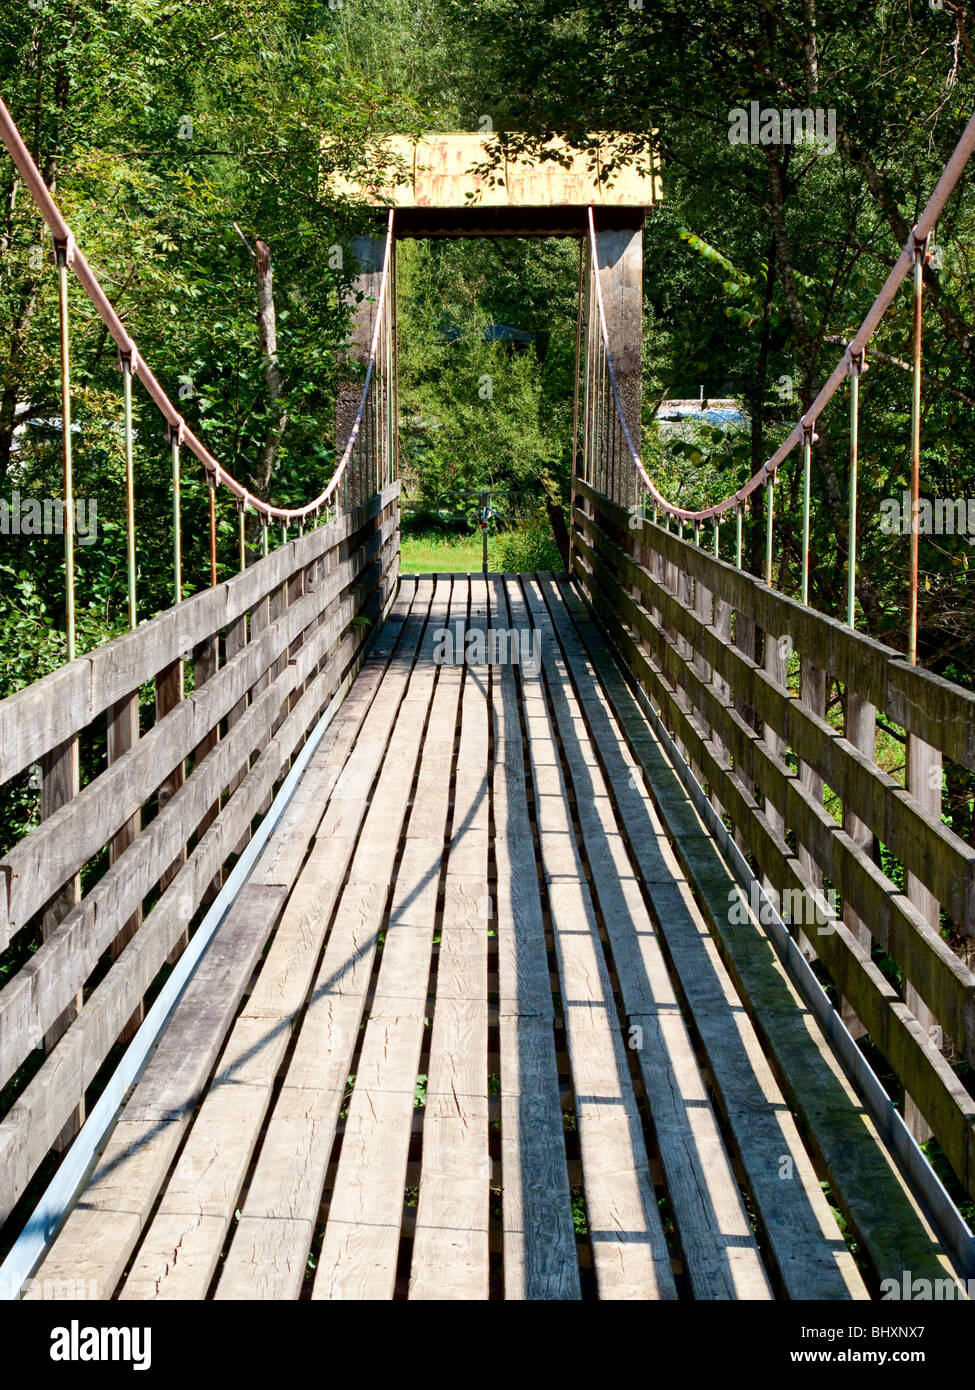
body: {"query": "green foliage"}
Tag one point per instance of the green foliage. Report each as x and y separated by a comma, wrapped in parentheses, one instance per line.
(431, 552)
(477, 412)
(163, 124)
(527, 548)
(580, 1217)
(763, 259)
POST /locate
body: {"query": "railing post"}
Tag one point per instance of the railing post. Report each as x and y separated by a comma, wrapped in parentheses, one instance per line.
(775, 662)
(169, 692)
(703, 609)
(60, 783)
(206, 658)
(812, 696)
(924, 773)
(861, 731)
(123, 734)
(235, 641)
(366, 302)
(746, 640)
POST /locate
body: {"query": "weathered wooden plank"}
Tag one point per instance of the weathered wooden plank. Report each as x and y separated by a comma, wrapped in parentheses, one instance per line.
(60, 773)
(630, 1254)
(86, 1253)
(362, 1237)
(540, 1260)
(43, 715)
(178, 1256)
(719, 1249)
(285, 1191)
(451, 1236)
(123, 731)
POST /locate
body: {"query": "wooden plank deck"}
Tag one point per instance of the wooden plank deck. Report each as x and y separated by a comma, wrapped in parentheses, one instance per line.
(469, 1031)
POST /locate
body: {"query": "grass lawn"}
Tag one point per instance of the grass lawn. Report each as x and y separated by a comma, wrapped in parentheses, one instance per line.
(428, 552)
(522, 549)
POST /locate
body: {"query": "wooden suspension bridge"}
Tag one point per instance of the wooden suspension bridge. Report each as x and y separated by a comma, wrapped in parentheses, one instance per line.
(439, 950)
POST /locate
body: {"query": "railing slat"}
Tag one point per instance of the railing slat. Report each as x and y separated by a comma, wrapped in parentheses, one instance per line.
(123, 734)
(59, 786)
(861, 731)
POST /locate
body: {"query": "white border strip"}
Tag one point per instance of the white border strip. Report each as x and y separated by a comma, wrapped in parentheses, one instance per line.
(47, 1216)
(927, 1187)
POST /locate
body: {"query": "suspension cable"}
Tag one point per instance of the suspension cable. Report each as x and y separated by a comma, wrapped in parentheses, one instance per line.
(128, 350)
(910, 259)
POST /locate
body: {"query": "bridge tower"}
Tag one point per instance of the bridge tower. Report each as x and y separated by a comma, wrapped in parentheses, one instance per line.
(476, 185)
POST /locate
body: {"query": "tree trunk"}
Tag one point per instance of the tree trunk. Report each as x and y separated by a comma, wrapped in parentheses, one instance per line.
(268, 334)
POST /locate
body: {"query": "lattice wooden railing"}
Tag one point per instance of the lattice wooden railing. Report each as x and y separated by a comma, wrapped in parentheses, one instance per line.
(108, 887)
(739, 675)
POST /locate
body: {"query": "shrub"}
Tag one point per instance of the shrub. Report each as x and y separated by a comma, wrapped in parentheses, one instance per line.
(525, 549)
